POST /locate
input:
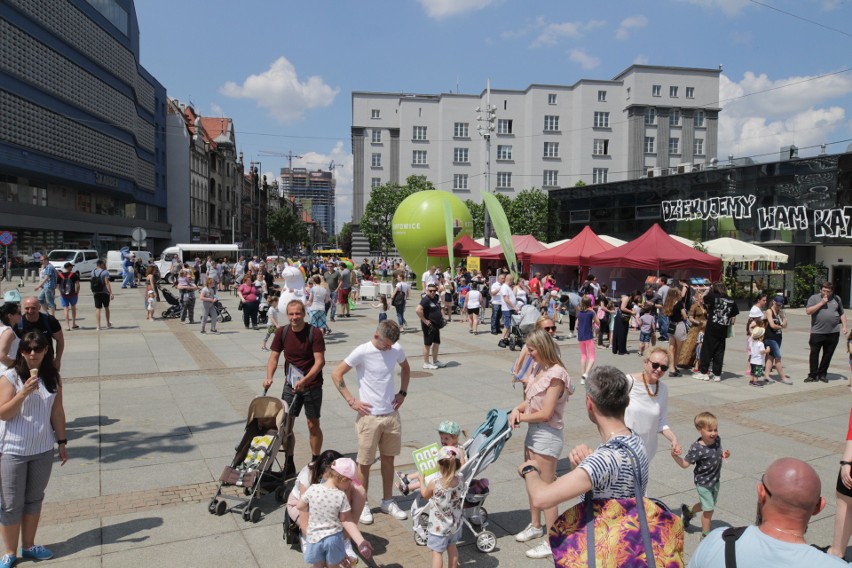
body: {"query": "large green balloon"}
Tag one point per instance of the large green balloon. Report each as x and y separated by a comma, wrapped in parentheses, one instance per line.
(418, 224)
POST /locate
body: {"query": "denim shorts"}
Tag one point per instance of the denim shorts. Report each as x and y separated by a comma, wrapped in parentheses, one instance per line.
(774, 348)
(544, 440)
(329, 550)
(440, 544)
(644, 337)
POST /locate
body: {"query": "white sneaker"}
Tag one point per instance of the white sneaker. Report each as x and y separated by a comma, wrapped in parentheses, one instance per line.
(366, 515)
(716, 379)
(429, 366)
(393, 510)
(530, 533)
(439, 364)
(701, 376)
(540, 551)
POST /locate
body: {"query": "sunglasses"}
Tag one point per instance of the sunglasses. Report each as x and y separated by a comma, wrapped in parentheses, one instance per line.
(431, 291)
(550, 328)
(656, 366)
(32, 349)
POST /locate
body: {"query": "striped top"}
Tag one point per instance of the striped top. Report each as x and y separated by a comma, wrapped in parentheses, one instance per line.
(611, 469)
(29, 433)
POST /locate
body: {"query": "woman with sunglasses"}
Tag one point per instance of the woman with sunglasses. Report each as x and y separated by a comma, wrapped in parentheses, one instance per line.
(10, 316)
(523, 363)
(32, 420)
(647, 414)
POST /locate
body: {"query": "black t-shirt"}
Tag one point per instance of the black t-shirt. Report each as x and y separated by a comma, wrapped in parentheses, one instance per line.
(431, 310)
(299, 348)
(677, 312)
(365, 269)
(720, 311)
(67, 283)
(47, 324)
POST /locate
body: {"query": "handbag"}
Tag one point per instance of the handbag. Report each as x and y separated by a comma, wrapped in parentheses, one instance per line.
(635, 532)
(240, 306)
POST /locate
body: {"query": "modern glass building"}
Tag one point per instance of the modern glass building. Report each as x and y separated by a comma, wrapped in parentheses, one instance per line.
(82, 127)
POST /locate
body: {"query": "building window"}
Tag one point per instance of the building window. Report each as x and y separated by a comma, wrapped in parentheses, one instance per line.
(377, 136)
(673, 92)
(601, 119)
(690, 92)
(504, 152)
(375, 113)
(674, 117)
(376, 161)
(628, 93)
(460, 130)
(551, 123)
(551, 149)
(504, 126)
(460, 155)
(504, 179)
(650, 116)
(602, 96)
(601, 147)
(698, 118)
(551, 178)
(656, 90)
(375, 182)
(418, 133)
(418, 158)
(649, 144)
(599, 175)
(674, 146)
(698, 147)
(551, 98)
(460, 181)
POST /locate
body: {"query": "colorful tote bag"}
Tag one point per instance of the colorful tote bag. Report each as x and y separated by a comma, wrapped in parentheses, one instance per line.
(619, 533)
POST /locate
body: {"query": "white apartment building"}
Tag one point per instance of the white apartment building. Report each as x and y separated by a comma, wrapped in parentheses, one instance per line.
(646, 121)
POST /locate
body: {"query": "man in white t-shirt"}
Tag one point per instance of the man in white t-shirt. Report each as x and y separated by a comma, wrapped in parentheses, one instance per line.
(378, 424)
(429, 277)
(507, 298)
(496, 304)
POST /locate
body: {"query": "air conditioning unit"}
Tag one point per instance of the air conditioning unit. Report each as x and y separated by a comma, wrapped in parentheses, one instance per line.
(698, 167)
(652, 172)
(673, 171)
(683, 168)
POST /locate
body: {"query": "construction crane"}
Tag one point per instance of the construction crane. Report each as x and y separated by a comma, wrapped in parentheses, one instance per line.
(289, 155)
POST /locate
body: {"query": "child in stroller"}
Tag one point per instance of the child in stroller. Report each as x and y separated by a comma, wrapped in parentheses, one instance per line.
(448, 432)
(173, 311)
(522, 323)
(481, 450)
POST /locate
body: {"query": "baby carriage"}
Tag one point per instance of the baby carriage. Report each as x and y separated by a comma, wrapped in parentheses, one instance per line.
(263, 313)
(256, 455)
(481, 450)
(522, 323)
(173, 311)
(221, 311)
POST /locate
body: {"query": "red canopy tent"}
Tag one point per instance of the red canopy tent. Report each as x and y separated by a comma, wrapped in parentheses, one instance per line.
(657, 251)
(525, 246)
(463, 247)
(575, 252)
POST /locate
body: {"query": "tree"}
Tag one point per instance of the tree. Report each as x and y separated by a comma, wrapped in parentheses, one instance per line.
(376, 223)
(344, 239)
(477, 213)
(286, 227)
(528, 213)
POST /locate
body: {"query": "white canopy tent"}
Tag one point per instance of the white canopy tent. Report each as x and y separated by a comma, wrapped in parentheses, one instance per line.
(684, 240)
(494, 241)
(613, 241)
(556, 243)
(732, 250)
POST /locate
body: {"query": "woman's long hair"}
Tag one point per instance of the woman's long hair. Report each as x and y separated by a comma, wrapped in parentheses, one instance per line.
(672, 298)
(47, 370)
(541, 341)
(322, 463)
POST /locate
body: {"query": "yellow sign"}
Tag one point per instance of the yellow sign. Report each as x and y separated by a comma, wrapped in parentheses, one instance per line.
(473, 263)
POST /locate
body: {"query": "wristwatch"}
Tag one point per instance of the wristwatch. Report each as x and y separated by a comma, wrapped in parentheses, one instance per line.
(528, 468)
(845, 462)
(403, 393)
(62, 441)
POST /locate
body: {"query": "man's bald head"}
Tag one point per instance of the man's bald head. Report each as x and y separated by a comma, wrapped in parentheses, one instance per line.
(794, 486)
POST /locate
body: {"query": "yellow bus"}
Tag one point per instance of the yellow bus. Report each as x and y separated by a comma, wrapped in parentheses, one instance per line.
(327, 253)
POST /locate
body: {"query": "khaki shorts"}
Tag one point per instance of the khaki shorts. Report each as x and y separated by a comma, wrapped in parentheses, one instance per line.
(378, 432)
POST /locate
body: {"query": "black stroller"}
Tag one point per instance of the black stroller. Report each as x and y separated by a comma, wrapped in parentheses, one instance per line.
(173, 311)
(221, 311)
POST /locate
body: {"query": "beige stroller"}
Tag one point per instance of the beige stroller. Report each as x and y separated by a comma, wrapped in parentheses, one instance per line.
(256, 457)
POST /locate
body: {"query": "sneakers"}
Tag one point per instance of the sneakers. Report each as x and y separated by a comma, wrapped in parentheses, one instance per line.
(569, 336)
(811, 379)
(530, 533)
(37, 552)
(502, 344)
(430, 366)
(701, 376)
(757, 384)
(686, 514)
(716, 379)
(823, 378)
(366, 515)
(540, 551)
(392, 509)
(785, 380)
(8, 561)
(439, 364)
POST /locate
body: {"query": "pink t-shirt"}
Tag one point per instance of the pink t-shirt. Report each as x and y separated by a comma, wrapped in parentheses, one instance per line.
(537, 387)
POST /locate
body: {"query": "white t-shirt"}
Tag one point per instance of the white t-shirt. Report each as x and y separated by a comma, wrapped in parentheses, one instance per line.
(376, 375)
(474, 299)
(324, 507)
(429, 278)
(647, 416)
(507, 292)
(758, 352)
(496, 296)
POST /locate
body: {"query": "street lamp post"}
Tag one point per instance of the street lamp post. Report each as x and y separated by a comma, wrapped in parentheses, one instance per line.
(485, 128)
(257, 167)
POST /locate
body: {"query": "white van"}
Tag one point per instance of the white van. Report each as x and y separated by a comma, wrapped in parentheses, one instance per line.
(84, 261)
(188, 253)
(115, 264)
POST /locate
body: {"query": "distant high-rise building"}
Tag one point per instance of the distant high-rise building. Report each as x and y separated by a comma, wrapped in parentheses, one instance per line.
(82, 127)
(646, 121)
(314, 191)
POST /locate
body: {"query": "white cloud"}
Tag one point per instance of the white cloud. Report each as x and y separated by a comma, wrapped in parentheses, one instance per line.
(552, 33)
(585, 60)
(216, 110)
(629, 24)
(730, 7)
(796, 114)
(279, 90)
(342, 173)
(439, 9)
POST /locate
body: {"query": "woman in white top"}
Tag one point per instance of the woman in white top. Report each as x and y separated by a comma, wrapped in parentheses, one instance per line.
(473, 303)
(522, 291)
(10, 316)
(647, 414)
(318, 298)
(32, 420)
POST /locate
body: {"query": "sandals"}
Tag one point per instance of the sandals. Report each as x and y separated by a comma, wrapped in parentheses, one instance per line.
(403, 482)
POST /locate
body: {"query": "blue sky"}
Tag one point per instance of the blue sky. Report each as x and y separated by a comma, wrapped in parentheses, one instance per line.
(285, 71)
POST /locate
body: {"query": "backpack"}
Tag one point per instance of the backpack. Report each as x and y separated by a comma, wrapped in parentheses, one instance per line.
(97, 282)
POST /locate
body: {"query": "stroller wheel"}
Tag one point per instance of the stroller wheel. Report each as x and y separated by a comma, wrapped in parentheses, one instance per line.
(419, 539)
(480, 519)
(486, 541)
(211, 508)
(218, 507)
(254, 514)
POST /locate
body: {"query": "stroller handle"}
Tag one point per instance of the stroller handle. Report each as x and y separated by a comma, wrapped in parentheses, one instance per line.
(264, 392)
